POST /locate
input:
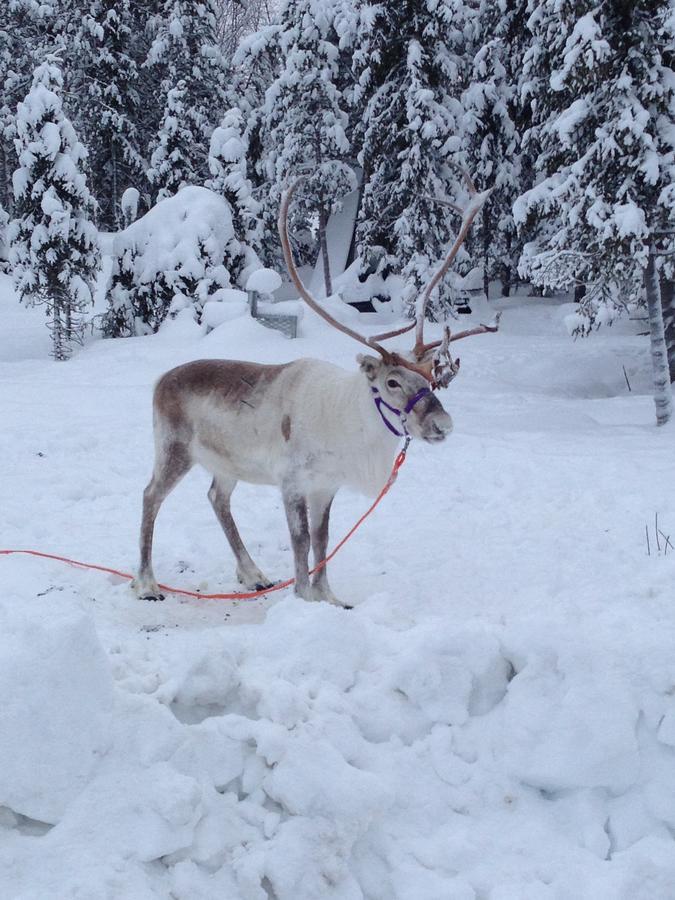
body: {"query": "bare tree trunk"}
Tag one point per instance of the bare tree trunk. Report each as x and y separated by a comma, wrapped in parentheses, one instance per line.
(6, 195)
(485, 229)
(668, 306)
(323, 244)
(67, 305)
(115, 218)
(507, 281)
(662, 393)
(58, 337)
(508, 270)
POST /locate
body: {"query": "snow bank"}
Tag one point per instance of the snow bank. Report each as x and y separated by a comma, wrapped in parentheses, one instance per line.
(56, 718)
(177, 256)
(494, 719)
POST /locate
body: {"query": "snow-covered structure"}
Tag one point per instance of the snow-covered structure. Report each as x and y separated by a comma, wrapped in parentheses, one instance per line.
(54, 250)
(178, 255)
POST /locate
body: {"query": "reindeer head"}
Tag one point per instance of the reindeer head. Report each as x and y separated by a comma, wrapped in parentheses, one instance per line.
(403, 383)
(404, 400)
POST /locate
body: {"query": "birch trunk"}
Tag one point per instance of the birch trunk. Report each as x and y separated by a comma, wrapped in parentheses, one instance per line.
(323, 243)
(662, 393)
(668, 306)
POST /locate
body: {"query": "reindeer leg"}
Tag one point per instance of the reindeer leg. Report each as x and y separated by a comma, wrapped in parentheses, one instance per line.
(298, 525)
(319, 513)
(247, 572)
(171, 464)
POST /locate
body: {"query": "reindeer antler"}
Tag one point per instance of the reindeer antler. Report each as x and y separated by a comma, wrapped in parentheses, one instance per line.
(438, 368)
(468, 215)
(302, 290)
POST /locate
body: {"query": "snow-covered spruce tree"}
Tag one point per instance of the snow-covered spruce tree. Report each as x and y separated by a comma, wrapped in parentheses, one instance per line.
(305, 121)
(109, 102)
(229, 178)
(178, 155)
(53, 243)
(184, 50)
(24, 28)
(606, 156)
(492, 147)
(255, 65)
(7, 78)
(409, 61)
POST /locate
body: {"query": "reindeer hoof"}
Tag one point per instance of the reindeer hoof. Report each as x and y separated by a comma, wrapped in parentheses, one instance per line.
(264, 585)
(153, 597)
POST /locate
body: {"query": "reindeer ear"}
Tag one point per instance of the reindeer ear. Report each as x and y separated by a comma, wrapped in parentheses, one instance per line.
(370, 365)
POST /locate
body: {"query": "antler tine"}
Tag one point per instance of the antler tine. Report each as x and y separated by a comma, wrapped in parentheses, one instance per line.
(390, 334)
(470, 332)
(302, 290)
(470, 213)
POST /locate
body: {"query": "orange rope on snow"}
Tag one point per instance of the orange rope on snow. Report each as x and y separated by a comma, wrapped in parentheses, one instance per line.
(251, 595)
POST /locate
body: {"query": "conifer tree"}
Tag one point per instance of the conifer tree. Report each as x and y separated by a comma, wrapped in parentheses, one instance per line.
(53, 243)
(255, 65)
(178, 155)
(606, 156)
(110, 102)
(491, 145)
(184, 51)
(305, 119)
(229, 178)
(409, 61)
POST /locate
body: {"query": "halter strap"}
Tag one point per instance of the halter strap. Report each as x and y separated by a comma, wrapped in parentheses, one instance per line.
(380, 402)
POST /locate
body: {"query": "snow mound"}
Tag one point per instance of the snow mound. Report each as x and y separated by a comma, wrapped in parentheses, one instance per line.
(265, 281)
(57, 705)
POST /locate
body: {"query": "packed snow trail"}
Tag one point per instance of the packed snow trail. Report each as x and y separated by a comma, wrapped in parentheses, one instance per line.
(494, 719)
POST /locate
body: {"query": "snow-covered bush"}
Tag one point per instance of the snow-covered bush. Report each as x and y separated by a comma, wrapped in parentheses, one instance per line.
(178, 255)
(54, 244)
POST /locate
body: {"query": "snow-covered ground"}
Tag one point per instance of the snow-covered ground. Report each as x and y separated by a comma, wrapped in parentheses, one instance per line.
(494, 720)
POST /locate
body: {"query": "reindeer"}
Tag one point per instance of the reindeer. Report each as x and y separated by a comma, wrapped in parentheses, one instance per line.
(308, 427)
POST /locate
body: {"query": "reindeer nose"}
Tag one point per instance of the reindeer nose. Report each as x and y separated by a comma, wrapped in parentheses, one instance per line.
(447, 424)
(439, 428)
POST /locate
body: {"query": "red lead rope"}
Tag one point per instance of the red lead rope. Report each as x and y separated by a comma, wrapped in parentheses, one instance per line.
(398, 462)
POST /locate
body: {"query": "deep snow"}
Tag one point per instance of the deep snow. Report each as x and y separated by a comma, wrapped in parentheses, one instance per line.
(495, 720)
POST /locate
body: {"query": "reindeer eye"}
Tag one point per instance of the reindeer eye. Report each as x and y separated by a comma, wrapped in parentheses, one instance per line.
(392, 383)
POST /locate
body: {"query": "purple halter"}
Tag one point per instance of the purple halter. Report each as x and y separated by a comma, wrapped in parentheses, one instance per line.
(380, 402)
